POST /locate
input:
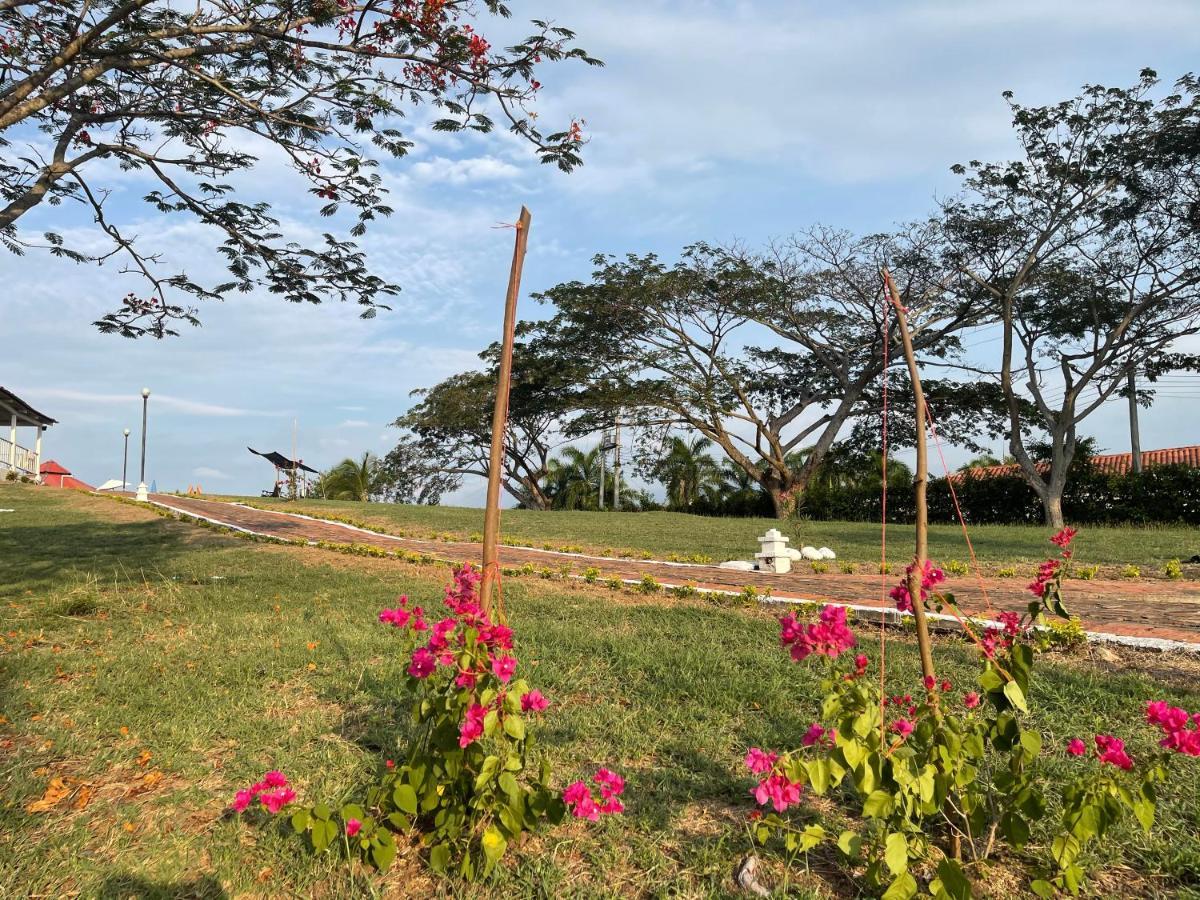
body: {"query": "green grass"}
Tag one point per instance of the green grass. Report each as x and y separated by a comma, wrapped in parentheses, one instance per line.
(663, 533)
(126, 633)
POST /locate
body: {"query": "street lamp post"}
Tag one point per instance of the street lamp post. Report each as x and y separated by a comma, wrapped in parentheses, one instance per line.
(142, 493)
(125, 463)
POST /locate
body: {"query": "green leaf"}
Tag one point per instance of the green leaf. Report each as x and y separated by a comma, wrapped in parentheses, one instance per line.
(405, 798)
(954, 883)
(439, 858)
(854, 753)
(322, 811)
(490, 722)
(399, 821)
(1016, 696)
(850, 844)
(493, 843)
(514, 727)
(818, 774)
(903, 888)
(352, 811)
(1042, 888)
(895, 854)
(508, 784)
(878, 805)
(1143, 809)
(1015, 830)
(811, 837)
(300, 820)
(383, 851)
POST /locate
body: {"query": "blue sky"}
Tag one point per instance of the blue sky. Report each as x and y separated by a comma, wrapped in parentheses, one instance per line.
(712, 120)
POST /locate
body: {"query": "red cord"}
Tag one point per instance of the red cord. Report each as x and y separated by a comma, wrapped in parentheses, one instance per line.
(883, 590)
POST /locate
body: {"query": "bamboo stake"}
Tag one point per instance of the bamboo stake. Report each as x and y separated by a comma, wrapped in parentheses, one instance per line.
(491, 517)
(920, 482)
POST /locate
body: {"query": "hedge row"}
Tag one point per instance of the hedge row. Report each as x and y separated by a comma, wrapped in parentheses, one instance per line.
(1160, 495)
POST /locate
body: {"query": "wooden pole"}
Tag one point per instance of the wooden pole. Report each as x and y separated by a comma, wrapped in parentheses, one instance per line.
(491, 516)
(920, 482)
(1135, 436)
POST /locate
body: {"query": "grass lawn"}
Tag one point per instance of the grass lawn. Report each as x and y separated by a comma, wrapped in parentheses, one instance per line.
(663, 533)
(156, 667)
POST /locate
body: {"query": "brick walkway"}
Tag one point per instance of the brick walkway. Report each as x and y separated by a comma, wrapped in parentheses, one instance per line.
(1158, 609)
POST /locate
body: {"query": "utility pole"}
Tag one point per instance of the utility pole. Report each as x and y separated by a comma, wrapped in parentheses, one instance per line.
(1135, 439)
(617, 464)
(491, 516)
(603, 453)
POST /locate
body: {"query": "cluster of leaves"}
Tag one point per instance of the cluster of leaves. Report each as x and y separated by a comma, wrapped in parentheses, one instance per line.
(940, 779)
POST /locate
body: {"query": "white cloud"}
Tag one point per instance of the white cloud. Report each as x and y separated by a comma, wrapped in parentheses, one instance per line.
(463, 171)
(207, 472)
(354, 423)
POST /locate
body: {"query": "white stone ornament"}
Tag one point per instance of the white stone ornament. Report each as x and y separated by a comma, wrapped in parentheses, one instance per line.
(773, 555)
(739, 564)
(826, 553)
(794, 554)
(810, 553)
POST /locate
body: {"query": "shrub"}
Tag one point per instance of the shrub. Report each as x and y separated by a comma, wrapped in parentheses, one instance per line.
(591, 574)
(648, 585)
(1084, 573)
(958, 568)
(1007, 572)
(848, 568)
(1173, 570)
(1129, 570)
(1068, 635)
(931, 774)
(819, 567)
(885, 568)
(614, 584)
(470, 784)
(684, 590)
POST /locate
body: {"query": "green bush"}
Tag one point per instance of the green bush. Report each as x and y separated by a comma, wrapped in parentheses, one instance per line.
(957, 567)
(1173, 570)
(1129, 570)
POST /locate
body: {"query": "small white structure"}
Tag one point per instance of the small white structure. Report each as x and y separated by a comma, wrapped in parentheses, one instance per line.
(794, 554)
(810, 553)
(738, 564)
(773, 553)
(826, 553)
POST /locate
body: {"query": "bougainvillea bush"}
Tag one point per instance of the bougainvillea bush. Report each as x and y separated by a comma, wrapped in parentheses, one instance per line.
(471, 784)
(944, 777)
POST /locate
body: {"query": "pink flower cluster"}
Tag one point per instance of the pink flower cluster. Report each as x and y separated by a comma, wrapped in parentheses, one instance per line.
(1109, 750)
(1051, 570)
(995, 638)
(448, 639)
(931, 577)
(272, 792)
(585, 805)
(1174, 722)
(777, 790)
(828, 637)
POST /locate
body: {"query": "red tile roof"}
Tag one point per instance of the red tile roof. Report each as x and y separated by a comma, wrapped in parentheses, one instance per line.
(54, 475)
(1108, 463)
(50, 467)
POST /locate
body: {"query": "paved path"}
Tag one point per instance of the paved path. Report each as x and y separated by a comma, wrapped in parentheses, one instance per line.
(1155, 609)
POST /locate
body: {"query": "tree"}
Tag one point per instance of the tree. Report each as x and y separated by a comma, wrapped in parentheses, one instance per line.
(691, 476)
(363, 480)
(1088, 249)
(680, 344)
(180, 95)
(452, 422)
(409, 477)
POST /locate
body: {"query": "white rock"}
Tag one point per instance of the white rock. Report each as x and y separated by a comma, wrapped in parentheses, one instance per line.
(826, 553)
(740, 564)
(794, 554)
(810, 553)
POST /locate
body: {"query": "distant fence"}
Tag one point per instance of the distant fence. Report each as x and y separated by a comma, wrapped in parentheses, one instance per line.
(1164, 495)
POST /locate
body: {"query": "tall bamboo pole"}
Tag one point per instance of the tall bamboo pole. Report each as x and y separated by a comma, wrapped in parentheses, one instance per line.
(491, 517)
(920, 482)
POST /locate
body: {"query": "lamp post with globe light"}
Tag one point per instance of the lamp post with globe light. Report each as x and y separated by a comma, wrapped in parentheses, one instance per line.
(142, 493)
(125, 463)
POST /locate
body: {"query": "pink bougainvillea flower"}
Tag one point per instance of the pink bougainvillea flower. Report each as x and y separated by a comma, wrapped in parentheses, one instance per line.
(503, 667)
(396, 617)
(930, 682)
(533, 701)
(578, 798)
(759, 761)
(241, 800)
(1076, 747)
(1064, 537)
(970, 700)
(391, 764)
(353, 827)
(611, 784)
(1174, 722)
(828, 637)
(275, 779)
(471, 728)
(815, 732)
(1111, 750)
(946, 686)
(931, 577)
(860, 665)
(277, 799)
(423, 663)
(902, 727)
(466, 680)
(611, 806)
(778, 791)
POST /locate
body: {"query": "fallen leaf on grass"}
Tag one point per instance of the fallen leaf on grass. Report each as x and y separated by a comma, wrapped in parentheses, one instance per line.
(312, 667)
(313, 645)
(56, 791)
(129, 827)
(83, 798)
(144, 757)
(265, 874)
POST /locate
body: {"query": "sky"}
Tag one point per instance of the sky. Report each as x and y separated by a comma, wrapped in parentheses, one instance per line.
(714, 121)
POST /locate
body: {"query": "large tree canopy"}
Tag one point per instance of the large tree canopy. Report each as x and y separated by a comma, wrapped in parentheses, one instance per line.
(185, 95)
(761, 353)
(1088, 249)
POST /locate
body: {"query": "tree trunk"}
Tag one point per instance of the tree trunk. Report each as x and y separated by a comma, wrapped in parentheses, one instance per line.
(1052, 504)
(783, 501)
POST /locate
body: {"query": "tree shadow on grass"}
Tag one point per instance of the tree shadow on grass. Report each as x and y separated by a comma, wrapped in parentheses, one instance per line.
(41, 557)
(126, 886)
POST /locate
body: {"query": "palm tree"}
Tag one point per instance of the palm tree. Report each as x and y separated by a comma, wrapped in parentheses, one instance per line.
(689, 473)
(351, 480)
(573, 479)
